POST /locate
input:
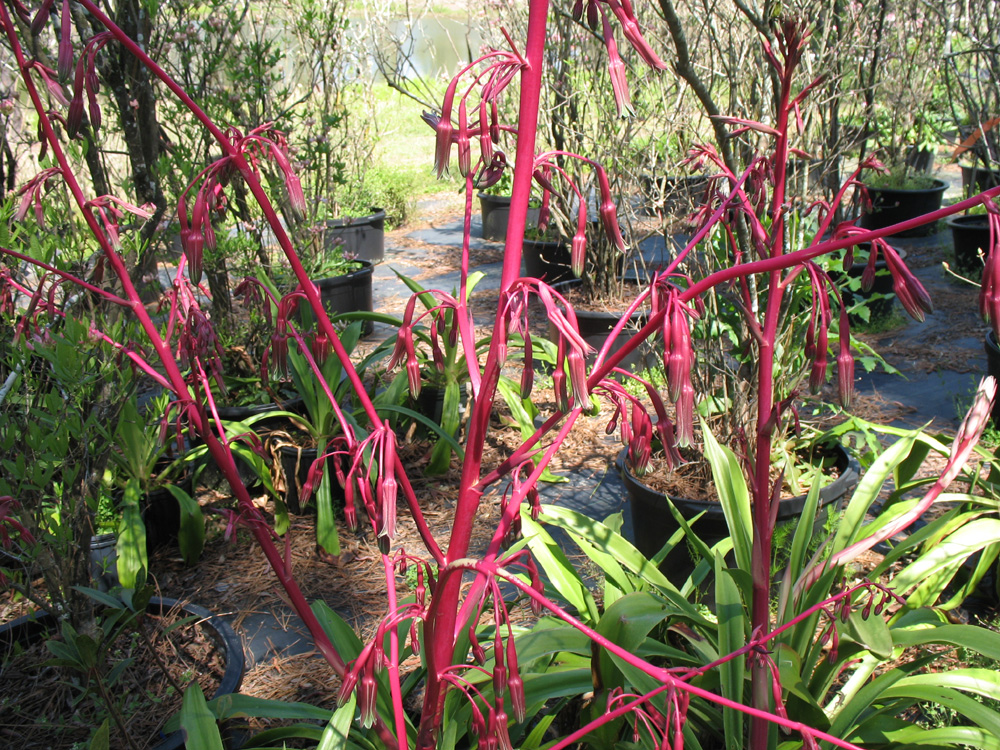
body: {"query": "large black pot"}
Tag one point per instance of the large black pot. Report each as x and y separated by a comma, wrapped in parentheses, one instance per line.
(495, 210)
(993, 368)
(893, 205)
(349, 293)
(970, 235)
(977, 179)
(653, 523)
(595, 325)
(28, 629)
(547, 260)
(362, 238)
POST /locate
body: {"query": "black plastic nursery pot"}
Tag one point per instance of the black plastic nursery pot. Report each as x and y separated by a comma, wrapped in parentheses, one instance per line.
(894, 205)
(349, 293)
(361, 238)
(653, 523)
(295, 465)
(30, 628)
(970, 235)
(548, 260)
(495, 210)
(977, 179)
(596, 325)
(880, 299)
(161, 513)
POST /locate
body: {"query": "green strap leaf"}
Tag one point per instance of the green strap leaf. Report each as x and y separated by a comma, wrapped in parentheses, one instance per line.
(131, 545)
(191, 537)
(733, 495)
(197, 722)
(339, 727)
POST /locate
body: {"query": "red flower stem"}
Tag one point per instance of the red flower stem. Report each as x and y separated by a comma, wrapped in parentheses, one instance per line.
(763, 519)
(395, 689)
(442, 612)
(464, 319)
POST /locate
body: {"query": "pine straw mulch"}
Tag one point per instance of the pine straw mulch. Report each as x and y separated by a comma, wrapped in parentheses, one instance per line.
(235, 578)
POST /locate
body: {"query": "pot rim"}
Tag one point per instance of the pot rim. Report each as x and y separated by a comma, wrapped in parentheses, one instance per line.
(39, 622)
(849, 476)
(968, 221)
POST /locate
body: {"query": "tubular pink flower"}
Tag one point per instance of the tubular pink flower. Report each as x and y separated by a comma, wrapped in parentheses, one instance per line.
(845, 362)
(463, 140)
(681, 355)
(367, 696)
(413, 376)
(515, 685)
(578, 253)
(616, 70)
(65, 60)
(578, 378)
(907, 287)
(608, 212)
(817, 375)
(485, 141)
(527, 368)
(491, 172)
(632, 32)
(685, 415)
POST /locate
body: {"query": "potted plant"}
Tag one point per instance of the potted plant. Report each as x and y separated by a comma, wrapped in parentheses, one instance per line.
(358, 237)
(153, 481)
(895, 197)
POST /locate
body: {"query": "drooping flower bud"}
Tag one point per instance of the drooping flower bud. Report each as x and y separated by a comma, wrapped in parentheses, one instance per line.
(515, 685)
(578, 378)
(367, 695)
(464, 142)
(64, 64)
(845, 363)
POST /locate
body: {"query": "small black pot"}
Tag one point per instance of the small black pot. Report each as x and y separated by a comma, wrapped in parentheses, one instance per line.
(495, 210)
(362, 238)
(547, 260)
(349, 293)
(993, 368)
(977, 179)
(653, 522)
(28, 629)
(879, 309)
(970, 234)
(893, 205)
(295, 465)
(162, 514)
(595, 325)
